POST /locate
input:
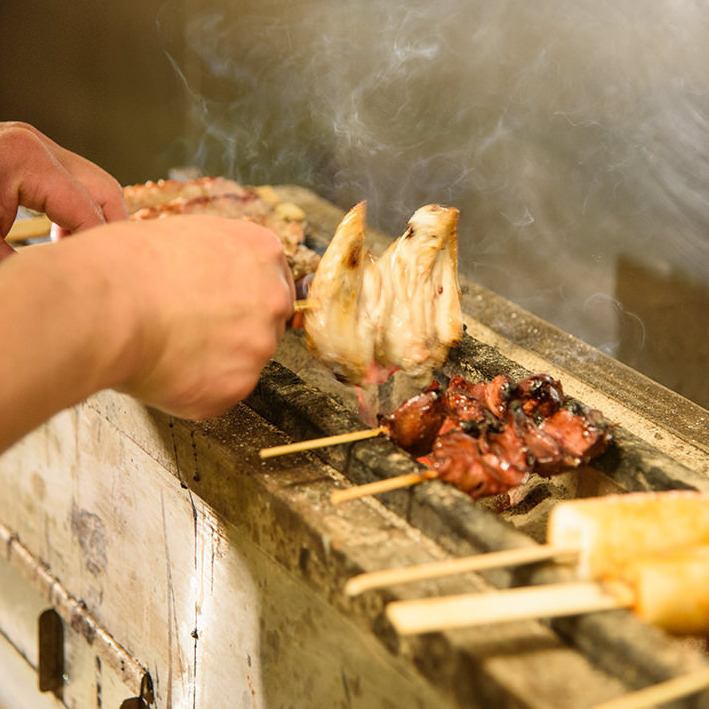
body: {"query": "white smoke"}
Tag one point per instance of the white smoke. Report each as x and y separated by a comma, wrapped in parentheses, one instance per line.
(569, 133)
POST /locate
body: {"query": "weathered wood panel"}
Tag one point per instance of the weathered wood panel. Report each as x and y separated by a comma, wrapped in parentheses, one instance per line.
(216, 621)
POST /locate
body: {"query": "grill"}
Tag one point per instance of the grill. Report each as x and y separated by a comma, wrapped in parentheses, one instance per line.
(283, 507)
(662, 441)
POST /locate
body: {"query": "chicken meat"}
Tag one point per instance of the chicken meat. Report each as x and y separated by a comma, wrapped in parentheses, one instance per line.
(370, 317)
(338, 329)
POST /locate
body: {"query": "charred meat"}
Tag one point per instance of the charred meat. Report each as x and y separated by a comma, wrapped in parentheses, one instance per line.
(539, 395)
(217, 196)
(459, 460)
(467, 401)
(416, 423)
(487, 437)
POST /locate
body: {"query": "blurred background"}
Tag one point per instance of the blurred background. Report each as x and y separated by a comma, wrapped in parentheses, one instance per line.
(572, 134)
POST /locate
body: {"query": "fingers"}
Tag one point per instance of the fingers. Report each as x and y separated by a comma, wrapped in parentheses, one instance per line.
(38, 173)
(103, 188)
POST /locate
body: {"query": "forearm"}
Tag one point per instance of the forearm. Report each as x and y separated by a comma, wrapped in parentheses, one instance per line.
(63, 333)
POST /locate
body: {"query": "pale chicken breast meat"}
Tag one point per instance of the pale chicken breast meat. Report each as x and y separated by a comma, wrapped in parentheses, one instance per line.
(403, 308)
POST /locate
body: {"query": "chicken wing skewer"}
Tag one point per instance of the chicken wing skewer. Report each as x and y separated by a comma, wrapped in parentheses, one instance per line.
(400, 312)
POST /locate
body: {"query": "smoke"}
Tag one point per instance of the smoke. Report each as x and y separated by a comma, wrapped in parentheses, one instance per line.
(569, 133)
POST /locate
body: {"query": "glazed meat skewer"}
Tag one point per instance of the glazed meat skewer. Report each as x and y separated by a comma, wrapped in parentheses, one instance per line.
(477, 436)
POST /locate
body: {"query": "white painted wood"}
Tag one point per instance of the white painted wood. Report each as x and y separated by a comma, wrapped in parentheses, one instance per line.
(154, 564)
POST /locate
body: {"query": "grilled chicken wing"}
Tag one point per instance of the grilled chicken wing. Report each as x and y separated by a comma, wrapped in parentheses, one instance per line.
(404, 308)
(337, 326)
(420, 317)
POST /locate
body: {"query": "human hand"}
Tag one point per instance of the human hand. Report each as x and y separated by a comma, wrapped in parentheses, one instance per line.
(207, 300)
(37, 173)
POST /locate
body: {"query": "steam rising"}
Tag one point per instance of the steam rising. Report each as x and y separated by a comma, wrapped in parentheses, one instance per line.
(568, 133)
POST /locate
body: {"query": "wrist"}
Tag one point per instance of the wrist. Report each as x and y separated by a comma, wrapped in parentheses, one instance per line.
(92, 267)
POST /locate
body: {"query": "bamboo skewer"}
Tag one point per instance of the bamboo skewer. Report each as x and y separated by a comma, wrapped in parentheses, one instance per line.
(30, 228)
(471, 609)
(301, 305)
(300, 446)
(449, 567)
(661, 693)
(387, 485)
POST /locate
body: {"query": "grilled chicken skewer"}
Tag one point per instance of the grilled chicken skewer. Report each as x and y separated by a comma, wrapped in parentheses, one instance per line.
(585, 532)
(669, 590)
(483, 438)
(371, 317)
(338, 329)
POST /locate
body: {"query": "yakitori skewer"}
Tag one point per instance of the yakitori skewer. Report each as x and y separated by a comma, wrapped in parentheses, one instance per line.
(661, 693)
(471, 609)
(450, 567)
(302, 305)
(30, 228)
(380, 486)
(413, 426)
(311, 444)
(670, 590)
(601, 535)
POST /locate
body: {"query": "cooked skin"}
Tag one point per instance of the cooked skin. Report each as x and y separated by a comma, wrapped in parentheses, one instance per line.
(420, 317)
(468, 401)
(499, 442)
(338, 330)
(539, 394)
(509, 445)
(154, 194)
(302, 262)
(405, 306)
(546, 453)
(416, 423)
(582, 435)
(459, 460)
(246, 205)
(220, 197)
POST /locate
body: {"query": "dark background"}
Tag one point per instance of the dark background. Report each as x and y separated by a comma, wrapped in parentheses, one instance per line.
(574, 136)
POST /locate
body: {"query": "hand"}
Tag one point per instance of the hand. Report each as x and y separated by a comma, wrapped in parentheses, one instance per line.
(37, 173)
(208, 299)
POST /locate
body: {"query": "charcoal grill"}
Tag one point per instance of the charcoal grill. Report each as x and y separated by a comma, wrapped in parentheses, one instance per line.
(208, 482)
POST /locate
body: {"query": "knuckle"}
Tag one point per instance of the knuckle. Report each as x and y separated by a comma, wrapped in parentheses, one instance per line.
(22, 137)
(268, 243)
(281, 303)
(264, 346)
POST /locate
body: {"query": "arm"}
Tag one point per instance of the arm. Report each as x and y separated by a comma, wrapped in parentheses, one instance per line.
(182, 313)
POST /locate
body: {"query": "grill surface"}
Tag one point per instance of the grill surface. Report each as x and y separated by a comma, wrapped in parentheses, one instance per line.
(209, 521)
(662, 442)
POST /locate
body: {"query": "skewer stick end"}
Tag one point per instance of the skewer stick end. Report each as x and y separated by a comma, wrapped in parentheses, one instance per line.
(301, 305)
